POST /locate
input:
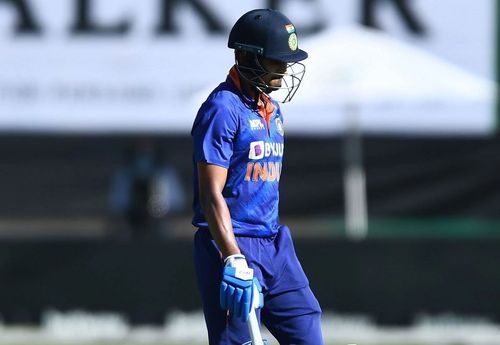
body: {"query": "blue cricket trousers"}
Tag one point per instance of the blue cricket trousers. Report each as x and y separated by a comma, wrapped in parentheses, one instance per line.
(291, 312)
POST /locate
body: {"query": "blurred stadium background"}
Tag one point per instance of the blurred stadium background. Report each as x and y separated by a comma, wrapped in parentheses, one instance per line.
(390, 185)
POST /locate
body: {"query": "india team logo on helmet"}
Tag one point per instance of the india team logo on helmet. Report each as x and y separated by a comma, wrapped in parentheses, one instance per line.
(292, 39)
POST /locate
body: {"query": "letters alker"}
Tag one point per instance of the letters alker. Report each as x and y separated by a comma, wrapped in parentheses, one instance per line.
(85, 22)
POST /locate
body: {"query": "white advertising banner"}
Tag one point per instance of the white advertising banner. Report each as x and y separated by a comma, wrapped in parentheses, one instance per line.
(89, 66)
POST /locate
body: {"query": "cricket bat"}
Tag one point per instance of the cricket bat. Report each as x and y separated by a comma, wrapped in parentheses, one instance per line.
(254, 328)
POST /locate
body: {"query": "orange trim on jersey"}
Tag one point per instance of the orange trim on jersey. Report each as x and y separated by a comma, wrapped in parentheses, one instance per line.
(235, 77)
(267, 110)
(264, 111)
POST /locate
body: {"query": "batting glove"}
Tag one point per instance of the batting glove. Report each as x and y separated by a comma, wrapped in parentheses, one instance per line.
(239, 290)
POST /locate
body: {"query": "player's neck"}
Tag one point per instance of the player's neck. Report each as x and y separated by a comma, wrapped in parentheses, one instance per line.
(249, 90)
(252, 92)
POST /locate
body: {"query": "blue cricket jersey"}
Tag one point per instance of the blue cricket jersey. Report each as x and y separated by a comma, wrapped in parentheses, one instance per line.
(232, 131)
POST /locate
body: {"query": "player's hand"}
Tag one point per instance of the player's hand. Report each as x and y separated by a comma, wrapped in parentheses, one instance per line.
(239, 290)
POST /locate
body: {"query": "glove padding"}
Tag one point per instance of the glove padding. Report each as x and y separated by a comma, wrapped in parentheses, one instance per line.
(239, 290)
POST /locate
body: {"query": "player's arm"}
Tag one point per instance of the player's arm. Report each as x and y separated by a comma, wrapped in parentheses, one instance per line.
(239, 291)
(212, 179)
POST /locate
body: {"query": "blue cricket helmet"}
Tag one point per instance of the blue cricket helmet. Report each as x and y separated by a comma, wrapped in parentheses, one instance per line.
(267, 33)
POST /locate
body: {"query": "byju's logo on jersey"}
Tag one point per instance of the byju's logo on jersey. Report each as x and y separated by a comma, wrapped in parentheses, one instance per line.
(256, 150)
(256, 124)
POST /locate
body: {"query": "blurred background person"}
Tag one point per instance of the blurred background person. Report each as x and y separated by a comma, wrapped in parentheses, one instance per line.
(145, 191)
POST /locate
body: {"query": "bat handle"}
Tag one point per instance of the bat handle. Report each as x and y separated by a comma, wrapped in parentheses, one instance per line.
(254, 328)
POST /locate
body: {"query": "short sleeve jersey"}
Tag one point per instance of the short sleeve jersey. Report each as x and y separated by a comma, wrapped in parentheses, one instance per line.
(232, 131)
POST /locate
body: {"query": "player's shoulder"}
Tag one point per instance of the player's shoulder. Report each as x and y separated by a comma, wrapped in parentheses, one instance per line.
(224, 95)
(222, 100)
(219, 107)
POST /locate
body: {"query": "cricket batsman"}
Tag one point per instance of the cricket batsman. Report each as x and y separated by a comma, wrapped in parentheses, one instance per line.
(243, 255)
